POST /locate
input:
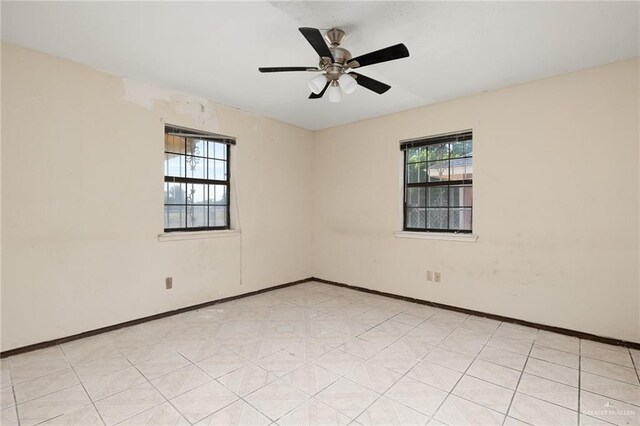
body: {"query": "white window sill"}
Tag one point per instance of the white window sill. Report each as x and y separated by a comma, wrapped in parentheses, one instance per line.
(446, 236)
(179, 236)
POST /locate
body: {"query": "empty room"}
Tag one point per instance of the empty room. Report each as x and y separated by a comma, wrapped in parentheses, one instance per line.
(321, 213)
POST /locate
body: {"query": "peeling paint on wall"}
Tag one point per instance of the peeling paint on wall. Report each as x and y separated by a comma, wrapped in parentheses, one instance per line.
(202, 111)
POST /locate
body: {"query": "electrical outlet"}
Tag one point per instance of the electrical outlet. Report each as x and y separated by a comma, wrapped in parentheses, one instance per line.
(168, 283)
(429, 276)
(437, 276)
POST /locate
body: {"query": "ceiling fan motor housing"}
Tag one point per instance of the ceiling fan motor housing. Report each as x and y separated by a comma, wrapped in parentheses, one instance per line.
(341, 56)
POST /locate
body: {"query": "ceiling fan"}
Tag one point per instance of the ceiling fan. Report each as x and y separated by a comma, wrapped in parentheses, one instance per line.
(336, 63)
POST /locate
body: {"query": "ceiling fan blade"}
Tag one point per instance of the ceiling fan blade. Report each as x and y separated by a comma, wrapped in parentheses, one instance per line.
(370, 83)
(315, 39)
(321, 94)
(390, 53)
(282, 69)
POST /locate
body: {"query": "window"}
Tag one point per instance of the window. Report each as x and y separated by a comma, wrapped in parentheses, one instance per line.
(196, 180)
(438, 183)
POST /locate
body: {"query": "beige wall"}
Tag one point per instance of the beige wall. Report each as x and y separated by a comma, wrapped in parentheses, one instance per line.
(556, 204)
(556, 195)
(82, 195)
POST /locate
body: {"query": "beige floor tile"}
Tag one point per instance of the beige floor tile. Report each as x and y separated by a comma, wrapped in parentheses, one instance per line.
(123, 405)
(181, 381)
(338, 362)
(550, 391)
(399, 361)
(510, 421)
(460, 412)
(509, 344)
(311, 378)
(417, 395)
(222, 363)
(9, 417)
(417, 345)
(537, 412)
(238, 413)
(43, 385)
(85, 416)
(100, 367)
(386, 412)
(558, 341)
(52, 405)
(435, 375)
(607, 369)
(494, 373)
(516, 332)
(566, 359)
(347, 397)
(610, 388)
(484, 393)
(449, 359)
(502, 357)
(609, 410)
(281, 362)
(163, 414)
(37, 367)
(314, 413)
(374, 377)
(202, 401)
(7, 398)
(276, 399)
(360, 348)
(555, 372)
(53, 352)
(603, 352)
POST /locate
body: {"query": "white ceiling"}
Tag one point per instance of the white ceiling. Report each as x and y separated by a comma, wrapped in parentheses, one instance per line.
(213, 49)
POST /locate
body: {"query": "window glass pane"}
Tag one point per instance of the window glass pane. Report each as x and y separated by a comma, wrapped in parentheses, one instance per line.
(217, 216)
(174, 193)
(469, 148)
(439, 151)
(217, 150)
(458, 168)
(417, 172)
(220, 151)
(458, 149)
(415, 218)
(174, 165)
(438, 171)
(416, 197)
(460, 219)
(416, 155)
(196, 193)
(174, 144)
(196, 167)
(218, 194)
(196, 147)
(174, 217)
(196, 216)
(217, 169)
(468, 173)
(437, 218)
(438, 196)
(461, 196)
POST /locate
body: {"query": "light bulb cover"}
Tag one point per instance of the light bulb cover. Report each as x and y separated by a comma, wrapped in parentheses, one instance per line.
(347, 83)
(334, 92)
(317, 83)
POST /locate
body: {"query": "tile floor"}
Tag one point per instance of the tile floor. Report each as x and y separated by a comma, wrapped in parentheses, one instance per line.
(315, 354)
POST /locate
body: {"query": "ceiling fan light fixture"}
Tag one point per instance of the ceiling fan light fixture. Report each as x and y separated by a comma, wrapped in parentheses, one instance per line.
(334, 92)
(347, 83)
(317, 83)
